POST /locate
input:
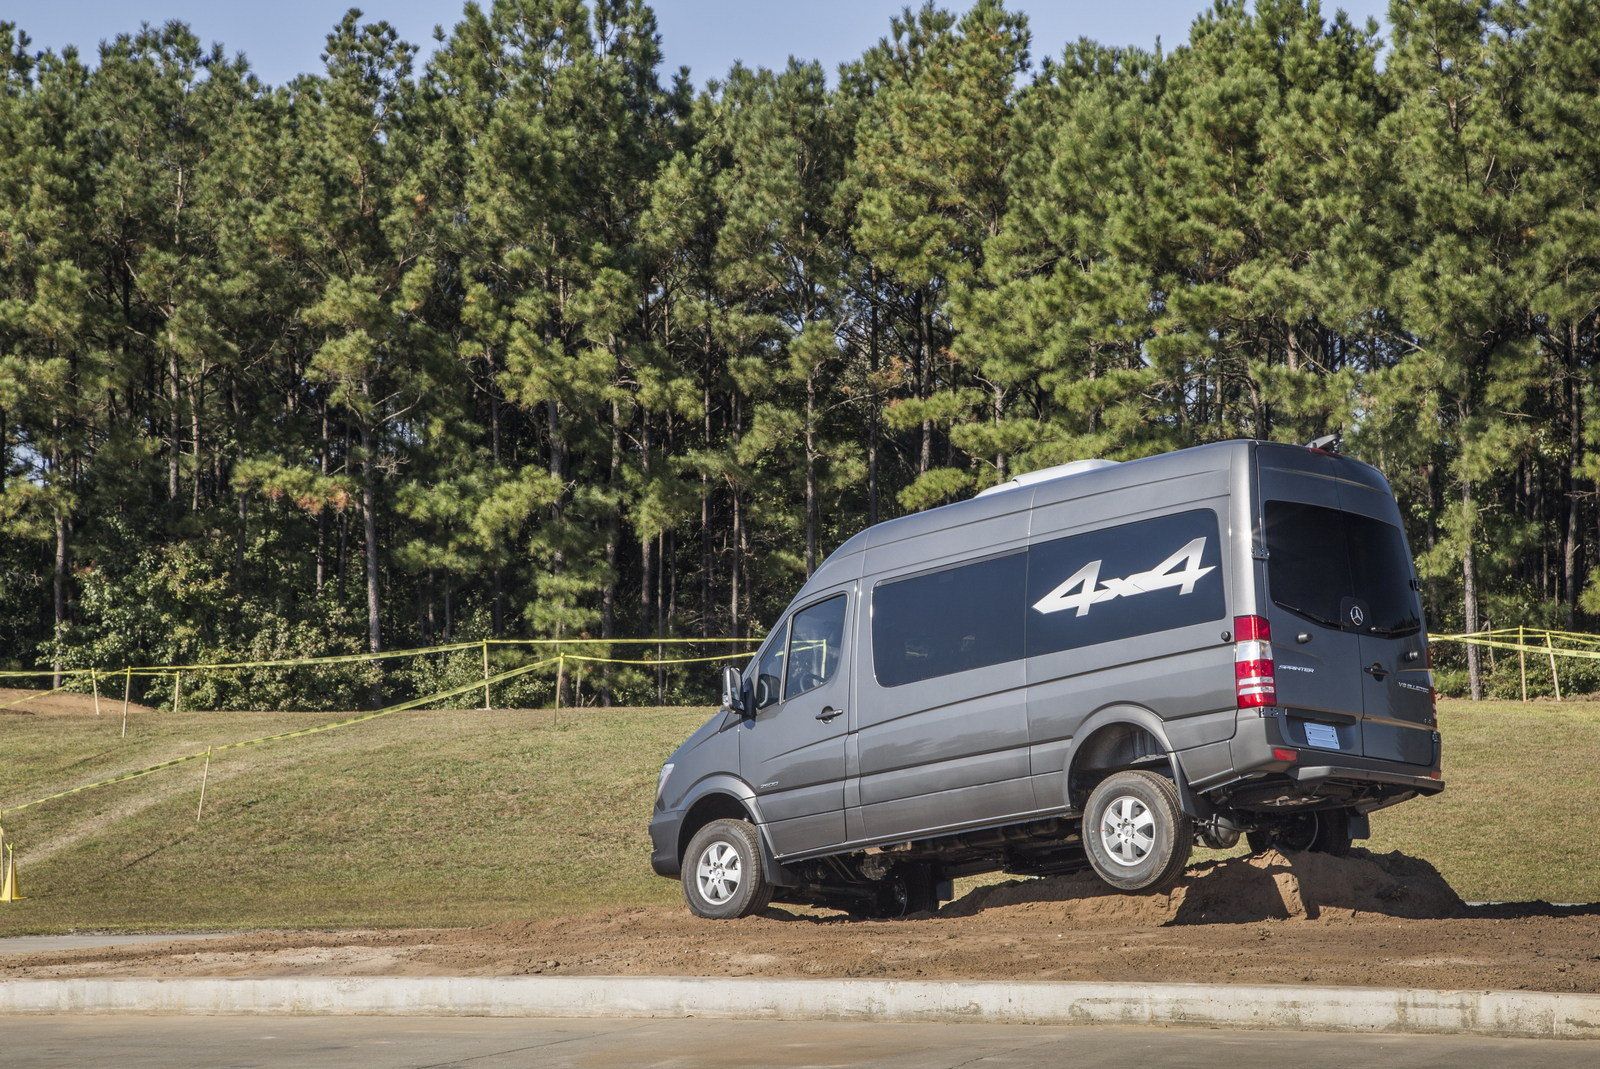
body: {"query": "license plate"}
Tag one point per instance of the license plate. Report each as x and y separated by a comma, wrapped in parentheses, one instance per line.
(1322, 736)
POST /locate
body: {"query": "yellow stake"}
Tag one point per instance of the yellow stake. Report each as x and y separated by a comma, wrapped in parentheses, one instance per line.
(205, 774)
(1522, 659)
(1555, 679)
(486, 675)
(127, 688)
(9, 892)
(94, 678)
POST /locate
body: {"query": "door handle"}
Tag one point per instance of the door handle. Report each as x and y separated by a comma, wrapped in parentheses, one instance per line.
(828, 713)
(1376, 671)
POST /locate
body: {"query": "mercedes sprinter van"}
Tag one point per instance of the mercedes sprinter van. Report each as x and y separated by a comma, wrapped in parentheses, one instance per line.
(1096, 665)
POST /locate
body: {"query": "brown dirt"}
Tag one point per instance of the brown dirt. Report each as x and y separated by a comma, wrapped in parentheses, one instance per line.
(40, 702)
(1369, 919)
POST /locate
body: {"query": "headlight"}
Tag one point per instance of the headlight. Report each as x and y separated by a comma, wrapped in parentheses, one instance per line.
(661, 781)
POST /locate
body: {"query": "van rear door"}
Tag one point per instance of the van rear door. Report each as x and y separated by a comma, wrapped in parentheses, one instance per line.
(1346, 620)
(1317, 662)
(1398, 688)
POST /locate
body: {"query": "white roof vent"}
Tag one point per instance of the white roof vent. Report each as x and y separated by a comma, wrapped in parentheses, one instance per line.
(1060, 471)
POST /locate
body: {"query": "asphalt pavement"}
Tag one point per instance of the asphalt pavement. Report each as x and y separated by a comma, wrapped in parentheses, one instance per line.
(46, 944)
(489, 1043)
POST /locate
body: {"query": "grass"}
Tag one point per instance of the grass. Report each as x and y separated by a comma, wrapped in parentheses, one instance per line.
(465, 817)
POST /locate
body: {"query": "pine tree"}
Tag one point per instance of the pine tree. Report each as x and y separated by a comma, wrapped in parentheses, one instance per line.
(927, 185)
(1463, 395)
(361, 244)
(1559, 149)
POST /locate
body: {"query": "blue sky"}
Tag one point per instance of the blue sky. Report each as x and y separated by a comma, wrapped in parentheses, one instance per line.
(284, 37)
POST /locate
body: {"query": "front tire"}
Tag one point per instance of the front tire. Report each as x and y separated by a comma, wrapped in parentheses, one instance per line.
(1135, 832)
(722, 875)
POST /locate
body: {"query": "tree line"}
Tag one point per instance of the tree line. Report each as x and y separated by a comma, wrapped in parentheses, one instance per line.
(539, 338)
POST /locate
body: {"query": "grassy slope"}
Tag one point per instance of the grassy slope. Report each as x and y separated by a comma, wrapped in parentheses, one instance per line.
(466, 817)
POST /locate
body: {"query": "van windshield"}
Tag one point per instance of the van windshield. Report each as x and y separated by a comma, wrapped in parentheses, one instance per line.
(1340, 569)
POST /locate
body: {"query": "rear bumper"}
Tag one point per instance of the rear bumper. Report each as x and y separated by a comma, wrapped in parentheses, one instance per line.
(1316, 778)
(1319, 775)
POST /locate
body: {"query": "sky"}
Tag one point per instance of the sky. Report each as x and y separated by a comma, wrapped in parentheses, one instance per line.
(283, 38)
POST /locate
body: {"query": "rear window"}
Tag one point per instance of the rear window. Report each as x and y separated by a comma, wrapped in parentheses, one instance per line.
(1340, 569)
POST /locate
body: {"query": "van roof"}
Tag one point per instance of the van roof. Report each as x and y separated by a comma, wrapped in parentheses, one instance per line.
(1048, 486)
(1075, 481)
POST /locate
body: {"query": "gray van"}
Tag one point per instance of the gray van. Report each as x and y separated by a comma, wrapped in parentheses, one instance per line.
(1097, 665)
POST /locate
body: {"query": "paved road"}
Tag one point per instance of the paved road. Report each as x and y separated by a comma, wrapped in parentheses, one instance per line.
(39, 944)
(478, 1043)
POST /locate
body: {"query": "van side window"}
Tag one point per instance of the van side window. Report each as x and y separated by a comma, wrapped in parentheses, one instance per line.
(1059, 594)
(952, 620)
(769, 672)
(816, 639)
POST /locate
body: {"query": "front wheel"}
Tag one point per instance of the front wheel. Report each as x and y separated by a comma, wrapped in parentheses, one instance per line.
(1326, 831)
(722, 877)
(1136, 834)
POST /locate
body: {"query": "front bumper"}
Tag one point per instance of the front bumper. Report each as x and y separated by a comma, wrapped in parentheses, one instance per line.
(664, 828)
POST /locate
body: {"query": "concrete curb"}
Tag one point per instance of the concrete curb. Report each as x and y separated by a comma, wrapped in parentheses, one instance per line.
(1338, 1009)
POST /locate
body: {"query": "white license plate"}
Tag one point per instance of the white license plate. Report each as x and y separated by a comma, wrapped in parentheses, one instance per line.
(1322, 736)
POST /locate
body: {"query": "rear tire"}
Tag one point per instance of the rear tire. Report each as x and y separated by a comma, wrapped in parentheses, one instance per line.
(908, 889)
(1135, 831)
(722, 874)
(1324, 832)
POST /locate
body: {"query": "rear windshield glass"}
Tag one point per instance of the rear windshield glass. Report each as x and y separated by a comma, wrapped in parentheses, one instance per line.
(1340, 569)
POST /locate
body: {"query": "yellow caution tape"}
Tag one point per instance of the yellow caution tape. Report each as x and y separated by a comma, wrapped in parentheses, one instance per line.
(675, 641)
(282, 736)
(30, 672)
(357, 658)
(1543, 649)
(651, 663)
(31, 697)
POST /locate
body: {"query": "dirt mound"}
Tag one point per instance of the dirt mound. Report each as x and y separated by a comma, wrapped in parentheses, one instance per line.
(41, 702)
(1270, 886)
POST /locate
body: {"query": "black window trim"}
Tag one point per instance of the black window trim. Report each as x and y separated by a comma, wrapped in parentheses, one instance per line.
(1412, 578)
(788, 636)
(932, 569)
(1205, 505)
(760, 654)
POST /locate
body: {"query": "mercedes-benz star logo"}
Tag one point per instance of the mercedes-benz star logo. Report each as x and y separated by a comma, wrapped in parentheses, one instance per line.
(1357, 617)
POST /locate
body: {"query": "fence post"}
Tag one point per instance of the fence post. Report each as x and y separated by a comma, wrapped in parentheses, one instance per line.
(1522, 659)
(1555, 679)
(486, 675)
(561, 676)
(177, 692)
(127, 688)
(94, 680)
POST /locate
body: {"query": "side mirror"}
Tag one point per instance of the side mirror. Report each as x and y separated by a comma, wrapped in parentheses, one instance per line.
(733, 690)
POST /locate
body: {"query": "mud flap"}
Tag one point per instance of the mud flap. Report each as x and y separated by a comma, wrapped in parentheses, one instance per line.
(778, 874)
(1190, 802)
(1360, 826)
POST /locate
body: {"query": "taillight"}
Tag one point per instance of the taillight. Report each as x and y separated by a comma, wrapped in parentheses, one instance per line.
(1254, 684)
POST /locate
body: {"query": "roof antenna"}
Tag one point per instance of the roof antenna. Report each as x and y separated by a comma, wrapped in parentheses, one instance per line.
(1328, 443)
